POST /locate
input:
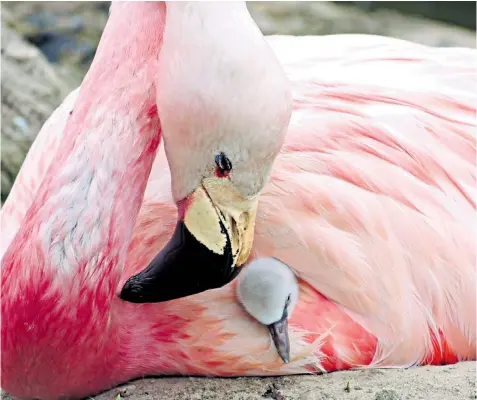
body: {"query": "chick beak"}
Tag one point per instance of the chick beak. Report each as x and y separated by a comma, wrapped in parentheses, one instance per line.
(279, 332)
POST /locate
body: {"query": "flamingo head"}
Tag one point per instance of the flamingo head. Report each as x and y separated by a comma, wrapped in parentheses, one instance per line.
(224, 103)
(268, 291)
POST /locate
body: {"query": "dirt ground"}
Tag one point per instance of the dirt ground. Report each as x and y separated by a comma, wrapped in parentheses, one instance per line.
(450, 382)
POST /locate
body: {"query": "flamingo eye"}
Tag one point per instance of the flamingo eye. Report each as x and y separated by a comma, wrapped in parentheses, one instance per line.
(224, 165)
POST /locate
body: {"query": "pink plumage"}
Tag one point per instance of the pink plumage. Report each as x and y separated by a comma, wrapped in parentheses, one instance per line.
(371, 201)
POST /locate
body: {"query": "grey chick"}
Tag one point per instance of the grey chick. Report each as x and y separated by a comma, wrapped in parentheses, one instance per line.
(268, 290)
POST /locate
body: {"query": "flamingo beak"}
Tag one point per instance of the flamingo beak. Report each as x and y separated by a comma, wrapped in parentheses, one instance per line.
(279, 332)
(212, 240)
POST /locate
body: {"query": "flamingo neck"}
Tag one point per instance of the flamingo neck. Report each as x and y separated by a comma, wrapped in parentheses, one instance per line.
(76, 233)
(62, 268)
(90, 197)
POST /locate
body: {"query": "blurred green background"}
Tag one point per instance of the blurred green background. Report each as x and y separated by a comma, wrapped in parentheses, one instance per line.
(48, 46)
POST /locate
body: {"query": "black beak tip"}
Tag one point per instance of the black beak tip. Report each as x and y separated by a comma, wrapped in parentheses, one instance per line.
(132, 290)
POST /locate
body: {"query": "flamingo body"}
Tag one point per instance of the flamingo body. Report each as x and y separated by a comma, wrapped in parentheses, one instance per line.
(371, 201)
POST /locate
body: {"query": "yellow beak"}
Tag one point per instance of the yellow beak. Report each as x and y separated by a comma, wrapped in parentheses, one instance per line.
(215, 206)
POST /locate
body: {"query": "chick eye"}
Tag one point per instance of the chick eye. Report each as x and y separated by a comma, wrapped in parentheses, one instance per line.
(224, 165)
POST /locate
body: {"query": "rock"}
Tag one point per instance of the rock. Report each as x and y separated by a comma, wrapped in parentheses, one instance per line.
(31, 90)
(443, 11)
(273, 392)
(387, 395)
(325, 18)
(126, 391)
(66, 32)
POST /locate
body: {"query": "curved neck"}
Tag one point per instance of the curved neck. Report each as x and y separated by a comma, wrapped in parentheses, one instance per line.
(61, 270)
(76, 233)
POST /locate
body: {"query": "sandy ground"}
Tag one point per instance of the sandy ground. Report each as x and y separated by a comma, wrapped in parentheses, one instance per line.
(451, 382)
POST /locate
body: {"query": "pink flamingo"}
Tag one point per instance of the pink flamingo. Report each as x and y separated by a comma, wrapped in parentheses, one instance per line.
(370, 200)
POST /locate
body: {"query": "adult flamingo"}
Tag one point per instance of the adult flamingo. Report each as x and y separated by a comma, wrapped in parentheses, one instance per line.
(370, 200)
